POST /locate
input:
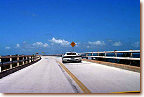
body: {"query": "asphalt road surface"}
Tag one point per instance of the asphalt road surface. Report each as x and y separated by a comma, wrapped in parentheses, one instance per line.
(49, 75)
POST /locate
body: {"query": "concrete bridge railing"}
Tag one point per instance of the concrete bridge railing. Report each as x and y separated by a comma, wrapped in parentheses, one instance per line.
(131, 57)
(12, 63)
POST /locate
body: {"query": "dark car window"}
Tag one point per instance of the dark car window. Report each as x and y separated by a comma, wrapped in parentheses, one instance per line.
(71, 53)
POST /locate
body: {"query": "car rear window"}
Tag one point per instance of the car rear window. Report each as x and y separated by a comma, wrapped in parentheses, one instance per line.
(71, 53)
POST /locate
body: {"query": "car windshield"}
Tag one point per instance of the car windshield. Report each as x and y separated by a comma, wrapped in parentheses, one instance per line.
(71, 53)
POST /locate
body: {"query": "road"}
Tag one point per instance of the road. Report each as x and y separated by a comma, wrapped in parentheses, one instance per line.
(49, 75)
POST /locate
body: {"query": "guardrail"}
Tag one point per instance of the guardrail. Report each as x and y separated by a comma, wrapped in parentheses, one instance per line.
(13, 63)
(130, 57)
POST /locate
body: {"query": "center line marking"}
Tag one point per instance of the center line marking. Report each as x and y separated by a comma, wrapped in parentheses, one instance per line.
(80, 84)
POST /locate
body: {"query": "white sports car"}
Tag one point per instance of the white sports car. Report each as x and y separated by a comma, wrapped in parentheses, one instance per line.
(71, 57)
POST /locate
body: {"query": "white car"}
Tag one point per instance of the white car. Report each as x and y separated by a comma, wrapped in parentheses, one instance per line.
(71, 57)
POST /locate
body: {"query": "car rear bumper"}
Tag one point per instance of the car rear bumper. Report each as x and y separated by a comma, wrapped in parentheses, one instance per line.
(71, 60)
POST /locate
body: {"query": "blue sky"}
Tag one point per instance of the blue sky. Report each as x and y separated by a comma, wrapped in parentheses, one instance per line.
(29, 26)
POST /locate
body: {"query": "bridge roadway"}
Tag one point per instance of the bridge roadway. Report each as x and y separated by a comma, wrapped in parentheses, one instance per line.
(49, 75)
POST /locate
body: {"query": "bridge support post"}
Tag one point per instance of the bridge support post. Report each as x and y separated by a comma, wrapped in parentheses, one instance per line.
(86, 56)
(115, 54)
(105, 54)
(26, 60)
(0, 66)
(32, 58)
(35, 57)
(29, 59)
(131, 54)
(92, 54)
(11, 63)
(17, 60)
(39, 57)
(23, 61)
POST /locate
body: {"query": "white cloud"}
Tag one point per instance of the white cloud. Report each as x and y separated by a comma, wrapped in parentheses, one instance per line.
(45, 45)
(17, 45)
(109, 40)
(101, 43)
(40, 44)
(7, 47)
(136, 44)
(87, 46)
(77, 44)
(60, 41)
(117, 43)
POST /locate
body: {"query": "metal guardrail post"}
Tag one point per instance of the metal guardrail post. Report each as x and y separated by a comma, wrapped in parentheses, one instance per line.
(11, 63)
(18, 60)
